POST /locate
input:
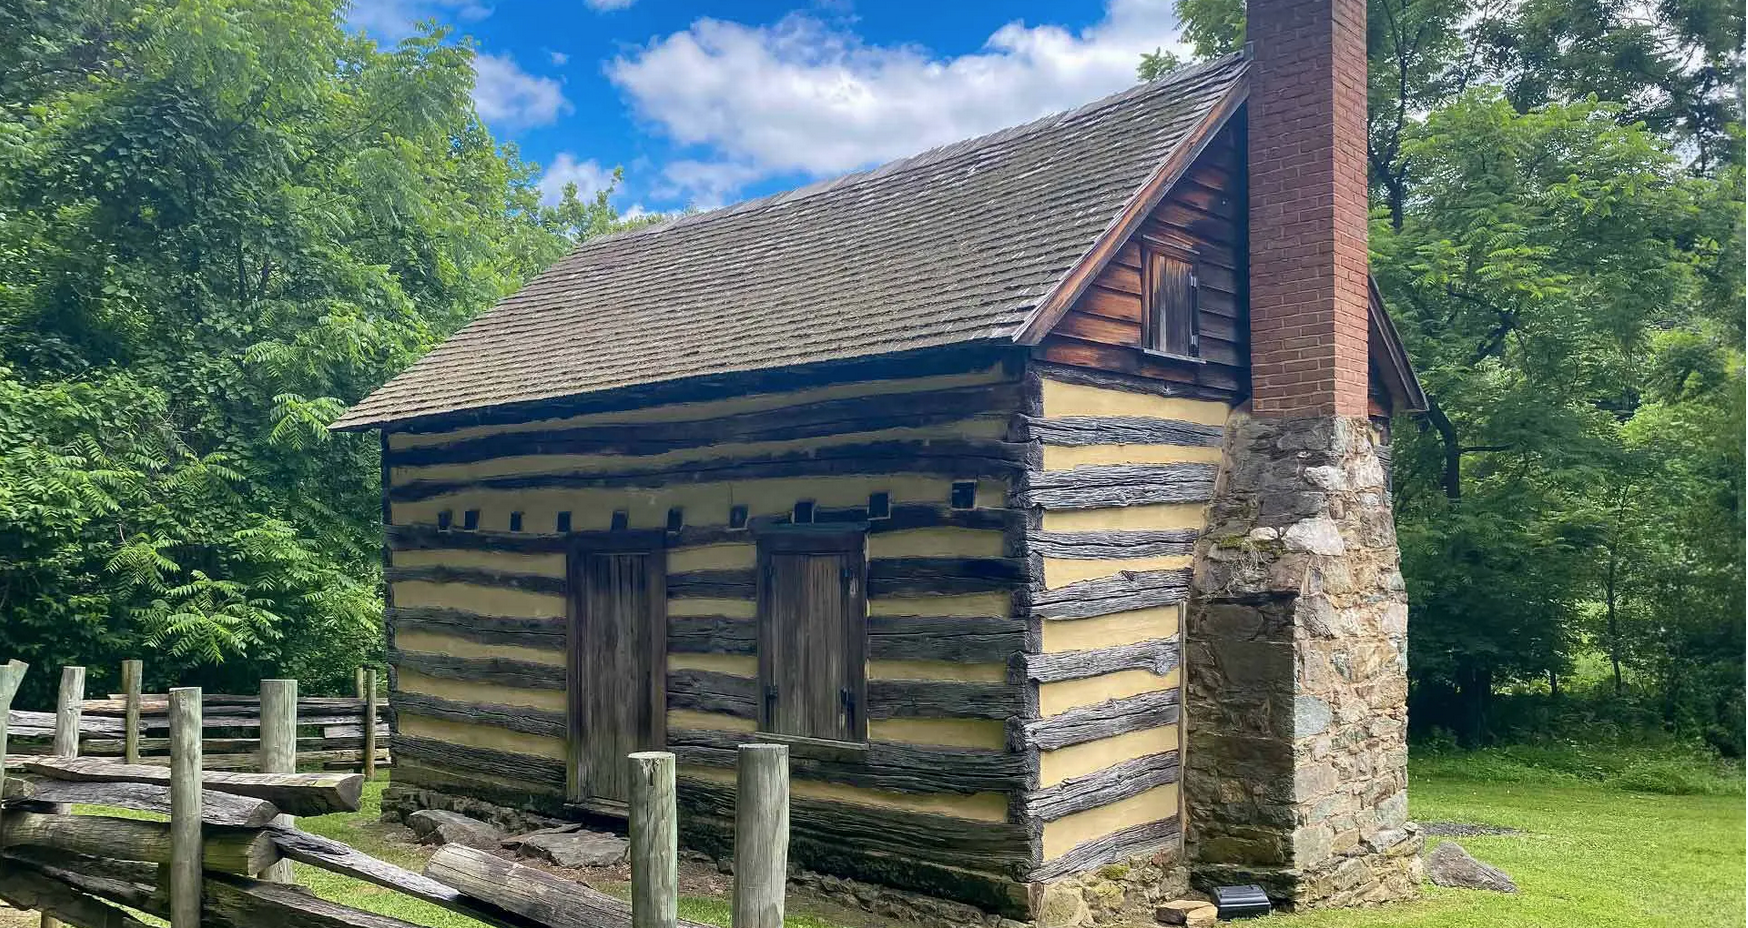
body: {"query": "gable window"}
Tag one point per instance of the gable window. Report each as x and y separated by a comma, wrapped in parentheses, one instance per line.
(1168, 286)
(813, 631)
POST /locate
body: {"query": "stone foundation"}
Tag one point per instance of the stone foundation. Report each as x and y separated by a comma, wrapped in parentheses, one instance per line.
(1296, 650)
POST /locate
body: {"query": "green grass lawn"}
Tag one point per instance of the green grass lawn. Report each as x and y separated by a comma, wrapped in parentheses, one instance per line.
(1591, 856)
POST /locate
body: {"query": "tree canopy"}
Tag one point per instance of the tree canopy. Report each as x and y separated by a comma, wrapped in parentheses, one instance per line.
(1557, 229)
(220, 224)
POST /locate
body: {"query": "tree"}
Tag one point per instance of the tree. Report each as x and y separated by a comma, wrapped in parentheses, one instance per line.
(220, 224)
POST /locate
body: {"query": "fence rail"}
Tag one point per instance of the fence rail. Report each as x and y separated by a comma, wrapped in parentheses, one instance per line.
(221, 859)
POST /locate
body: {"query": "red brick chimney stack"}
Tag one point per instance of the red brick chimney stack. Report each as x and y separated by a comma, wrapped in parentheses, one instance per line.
(1308, 207)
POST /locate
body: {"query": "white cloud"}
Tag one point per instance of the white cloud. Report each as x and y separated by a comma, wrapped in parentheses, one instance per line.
(589, 176)
(393, 20)
(559, 59)
(704, 184)
(606, 6)
(509, 97)
(804, 96)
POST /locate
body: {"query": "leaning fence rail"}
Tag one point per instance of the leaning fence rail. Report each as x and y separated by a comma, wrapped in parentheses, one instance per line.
(219, 860)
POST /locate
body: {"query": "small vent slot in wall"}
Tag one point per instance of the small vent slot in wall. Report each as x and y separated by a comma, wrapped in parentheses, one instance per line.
(879, 505)
(445, 518)
(515, 521)
(737, 517)
(964, 494)
(470, 519)
(621, 520)
(564, 522)
(676, 519)
(803, 512)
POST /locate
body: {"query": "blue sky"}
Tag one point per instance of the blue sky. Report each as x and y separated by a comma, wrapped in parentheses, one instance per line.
(703, 104)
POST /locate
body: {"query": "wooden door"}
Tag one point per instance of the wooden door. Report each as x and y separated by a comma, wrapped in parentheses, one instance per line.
(616, 692)
(812, 636)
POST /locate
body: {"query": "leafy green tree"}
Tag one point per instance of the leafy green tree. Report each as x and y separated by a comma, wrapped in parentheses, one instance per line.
(221, 222)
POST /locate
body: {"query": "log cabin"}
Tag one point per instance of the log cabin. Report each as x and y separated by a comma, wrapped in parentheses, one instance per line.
(1017, 486)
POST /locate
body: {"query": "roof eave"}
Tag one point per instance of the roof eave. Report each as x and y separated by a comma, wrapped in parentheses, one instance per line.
(1404, 385)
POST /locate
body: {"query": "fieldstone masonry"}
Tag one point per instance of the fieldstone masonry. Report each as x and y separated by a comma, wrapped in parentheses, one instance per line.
(1296, 650)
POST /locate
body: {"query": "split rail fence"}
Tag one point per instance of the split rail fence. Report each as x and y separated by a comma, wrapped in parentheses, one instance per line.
(222, 859)
(135, 726)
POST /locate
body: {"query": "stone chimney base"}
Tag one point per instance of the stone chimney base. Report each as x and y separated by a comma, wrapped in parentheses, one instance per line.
(1296, 653)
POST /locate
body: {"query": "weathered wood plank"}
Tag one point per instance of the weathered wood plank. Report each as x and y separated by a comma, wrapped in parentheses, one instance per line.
(501, 579)
(486, 762)
(545, 634)
(500, 670)
(246, 851)
(967, 639)
(961, 458)
(1118, 379)
(28, 889)
(235, 902)
(432, 538)
(1103, 720)
(884, 765)
(1132, 841)
(1121, 430)
(1102, 787)
(1158, 656)
(1130, 589)
(890, 699)
(712, 634)
(709, 691)
(1110, 545)
(293, 793)
(216, 808)
(526, 719)
(1108, 485)
(530, 893)
(943, 576)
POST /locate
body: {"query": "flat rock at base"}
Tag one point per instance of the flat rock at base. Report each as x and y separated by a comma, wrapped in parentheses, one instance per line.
(575, 849)
(1450, 865)
(435, 826)
(1190, 912)
(517, 841)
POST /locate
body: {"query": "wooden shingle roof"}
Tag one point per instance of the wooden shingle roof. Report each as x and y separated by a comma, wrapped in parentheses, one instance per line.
(956, 245)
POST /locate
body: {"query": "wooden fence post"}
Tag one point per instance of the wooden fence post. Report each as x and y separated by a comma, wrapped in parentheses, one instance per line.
(69, 705)
(185, 812)
(358, 682)
(655, 848)
(761, 835)
(369, 723)
(132, 674)
(279, 750)
(11, 675)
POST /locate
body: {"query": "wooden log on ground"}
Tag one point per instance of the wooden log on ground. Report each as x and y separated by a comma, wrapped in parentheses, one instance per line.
(761, 835)
(243, 851)
(528, 892)
(293, 793)
(29, 889)
(234, 902)
(655, 853)
(216, 808)
(132, 674)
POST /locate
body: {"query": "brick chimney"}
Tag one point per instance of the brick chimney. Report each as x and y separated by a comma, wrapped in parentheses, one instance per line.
(1296, 634)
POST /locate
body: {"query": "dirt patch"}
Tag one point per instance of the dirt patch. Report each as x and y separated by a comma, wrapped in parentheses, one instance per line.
(1464, 830)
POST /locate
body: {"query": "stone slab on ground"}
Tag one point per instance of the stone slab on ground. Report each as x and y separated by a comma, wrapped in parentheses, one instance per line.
(575, 849)
(1450, 865)
(516, 842)
(435, 826)
(1193, 913)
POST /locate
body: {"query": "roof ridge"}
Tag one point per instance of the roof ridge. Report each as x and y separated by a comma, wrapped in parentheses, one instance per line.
(923, 158)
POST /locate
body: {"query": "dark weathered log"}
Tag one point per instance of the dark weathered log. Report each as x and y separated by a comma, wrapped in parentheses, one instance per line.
(712, 634)
(486, 629)
(991, 847)
(944, 638)
(1122, 430)
(713, 584)
(1094, 377)
(531, 893)
(1103, 720)
(1102, 787)
(884, 765)
(293, 793)
(528, 583)
(1106, 545)
(485, 762)
(503, 789)
(709, 691)
(25, 888)
(500, 670)
(1133, 841)
(327, 854)
(430, 537)
(113, 747)
(892, 699)
(961, 458)
(946, 576)
(217, 704)
(1129, 589)
(245, 851)
(808, 420)
(526, 719)
(23, 723)
(234, 902)
(1159, 656)
(1106, 485)
(216, 808)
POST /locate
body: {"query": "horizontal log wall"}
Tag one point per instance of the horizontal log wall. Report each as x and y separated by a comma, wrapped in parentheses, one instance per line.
(477, 617)
(1117, 500)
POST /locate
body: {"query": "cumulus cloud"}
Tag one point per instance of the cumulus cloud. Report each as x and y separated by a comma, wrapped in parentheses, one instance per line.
(509, 97)
(559, 59)
(606, 6)
(393, 20)
(804, 96)
(589, 176)
(704, 184)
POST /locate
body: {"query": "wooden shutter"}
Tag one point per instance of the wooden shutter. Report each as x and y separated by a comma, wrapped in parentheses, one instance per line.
(812, 636)
(1171, 304)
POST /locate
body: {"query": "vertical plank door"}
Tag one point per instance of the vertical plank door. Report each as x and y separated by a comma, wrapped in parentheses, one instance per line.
(616, 691)
(812, 634)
